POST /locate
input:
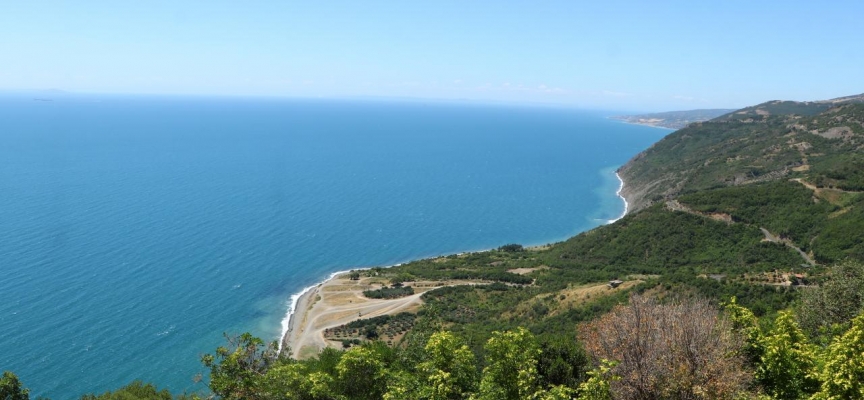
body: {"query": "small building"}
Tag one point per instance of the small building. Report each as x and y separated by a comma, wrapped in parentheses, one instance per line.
(798, 279)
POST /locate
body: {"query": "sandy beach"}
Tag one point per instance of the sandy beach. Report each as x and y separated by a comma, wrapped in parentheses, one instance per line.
(340, 300)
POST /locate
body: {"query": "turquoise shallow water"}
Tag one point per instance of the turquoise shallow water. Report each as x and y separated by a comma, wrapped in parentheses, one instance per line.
(134, 231)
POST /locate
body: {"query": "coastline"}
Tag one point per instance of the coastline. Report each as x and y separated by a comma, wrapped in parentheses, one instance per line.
(340, 300)
(300, 301)
(643, 124)
(302, 310)
(620, 194)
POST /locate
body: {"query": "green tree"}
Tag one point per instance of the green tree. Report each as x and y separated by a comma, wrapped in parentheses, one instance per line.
(835, 302)
(787, 360)
(511, 371)
(562, 361)
(361, 374)
(745, 323)
(11, 388)
(450, 371)
(295, 381)
(404, 385)
(597, 386)
(137, 390)
(559, 392)
(237, 371)
(842, 367)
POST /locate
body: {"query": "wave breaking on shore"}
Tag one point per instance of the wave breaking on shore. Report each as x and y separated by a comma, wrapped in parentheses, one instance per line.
(618, 193)
(292, 307)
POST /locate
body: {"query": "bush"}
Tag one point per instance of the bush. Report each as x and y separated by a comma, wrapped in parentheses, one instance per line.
(389, 293)
(676, 350)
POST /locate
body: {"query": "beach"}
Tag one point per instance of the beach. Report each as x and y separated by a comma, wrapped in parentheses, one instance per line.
(340, 300)
(620, 193)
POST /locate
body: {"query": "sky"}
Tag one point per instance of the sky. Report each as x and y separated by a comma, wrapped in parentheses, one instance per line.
(633, 55)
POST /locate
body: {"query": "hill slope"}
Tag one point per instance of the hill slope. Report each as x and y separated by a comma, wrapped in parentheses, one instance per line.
(817, 141)
(673, 119)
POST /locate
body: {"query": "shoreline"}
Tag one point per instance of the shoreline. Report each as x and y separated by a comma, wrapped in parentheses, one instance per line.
(620, 194)
(340, 300)
(300, 300)
(643, 124)
(301, 304)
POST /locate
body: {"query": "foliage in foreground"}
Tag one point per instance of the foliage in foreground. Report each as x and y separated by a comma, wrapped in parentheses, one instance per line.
(647, 349)
(655, 350)
(445, 368)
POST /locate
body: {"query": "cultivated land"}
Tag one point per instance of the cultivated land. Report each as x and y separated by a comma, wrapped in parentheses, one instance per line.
(340, 300)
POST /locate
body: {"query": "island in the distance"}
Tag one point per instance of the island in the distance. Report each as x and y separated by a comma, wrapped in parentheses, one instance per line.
(673, 119)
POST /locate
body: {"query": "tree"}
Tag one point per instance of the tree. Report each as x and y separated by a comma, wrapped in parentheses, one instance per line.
(744, 322)
(236, 372)
(361, 374)
(833, 304)
(842, 366)
(786, 362)
(137, 390)
(11, 388)
(562, 361)
(404, 385)
(511, 248)
(678, 350)
(597, 386)
(296, 381)
(449, 370)
(511, 371)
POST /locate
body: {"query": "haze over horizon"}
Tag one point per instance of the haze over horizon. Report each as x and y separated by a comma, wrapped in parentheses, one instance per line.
(619, 54)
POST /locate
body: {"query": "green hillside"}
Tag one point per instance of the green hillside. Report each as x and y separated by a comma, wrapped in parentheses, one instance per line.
(823, 149)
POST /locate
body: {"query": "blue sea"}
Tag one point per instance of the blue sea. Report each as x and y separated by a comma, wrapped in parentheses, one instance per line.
(135, 231)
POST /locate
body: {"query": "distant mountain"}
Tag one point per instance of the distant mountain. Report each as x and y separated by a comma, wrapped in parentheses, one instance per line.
(673, 119)
(780, 107)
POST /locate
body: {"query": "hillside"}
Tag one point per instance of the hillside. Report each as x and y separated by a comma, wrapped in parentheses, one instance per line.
(781, 107)
(816, 141)
(672, 119)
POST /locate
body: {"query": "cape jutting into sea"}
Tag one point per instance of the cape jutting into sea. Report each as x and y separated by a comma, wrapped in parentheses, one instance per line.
(134, 231)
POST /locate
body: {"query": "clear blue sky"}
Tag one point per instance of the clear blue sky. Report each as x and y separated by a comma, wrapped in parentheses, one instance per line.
(639, 55)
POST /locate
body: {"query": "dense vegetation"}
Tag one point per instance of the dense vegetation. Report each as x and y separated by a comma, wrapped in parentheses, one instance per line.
(732, 151)
(389, 292)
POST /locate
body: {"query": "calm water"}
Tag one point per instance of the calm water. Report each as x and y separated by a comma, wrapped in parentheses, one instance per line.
(135, 231)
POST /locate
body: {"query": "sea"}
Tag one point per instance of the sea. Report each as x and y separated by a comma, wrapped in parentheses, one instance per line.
(137, 231)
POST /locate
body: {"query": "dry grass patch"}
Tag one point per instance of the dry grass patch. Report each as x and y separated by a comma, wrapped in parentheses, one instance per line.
(571, 297)
(577, 296)
(526, 271)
